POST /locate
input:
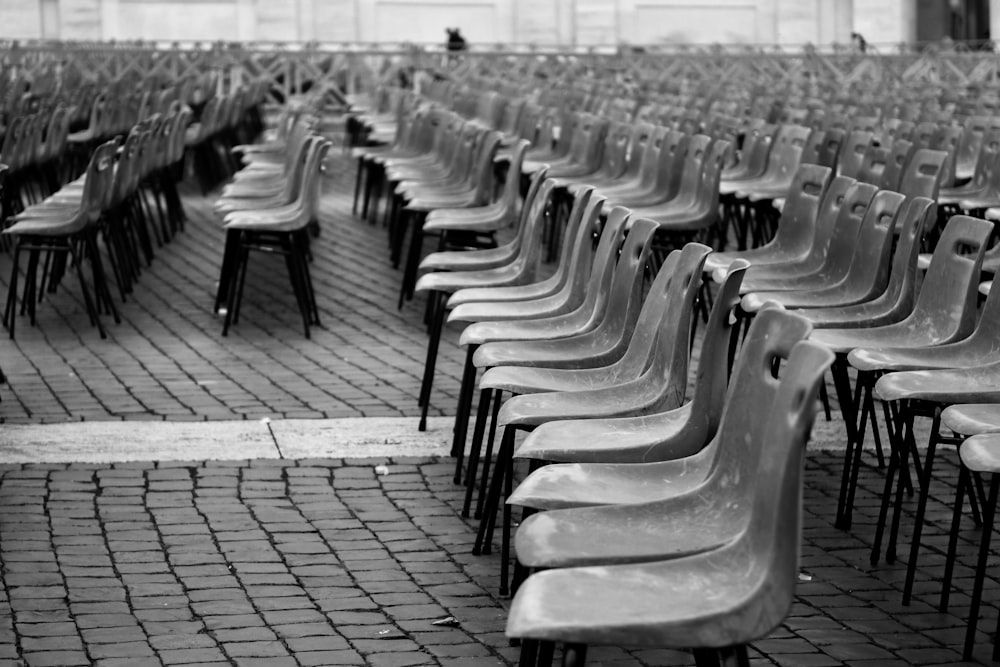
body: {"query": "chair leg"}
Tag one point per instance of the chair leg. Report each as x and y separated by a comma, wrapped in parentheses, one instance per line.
(91, 308)
(908, 449)
(852, 453)
(10, 309)
(484, 536)
(918, 526)
(529, 653)
(474, 462)
(464, 401)
(984, 552)
(477, 432)
(491, 440)
(508, 521)
(436, 301)
(956, 522)
(230, 255)
(897, 451)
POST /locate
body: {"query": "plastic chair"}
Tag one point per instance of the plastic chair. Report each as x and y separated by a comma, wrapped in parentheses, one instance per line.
(480, 222)
(519, 271)
(56, 229)
(720, 600)
(980, 455)
(796, 227)
(280, 230)
(867, 258)
(852, 152)
(944, 312)
(601, 514)
(975, 350)
(833, 266)
(660, 385)
(669, 435)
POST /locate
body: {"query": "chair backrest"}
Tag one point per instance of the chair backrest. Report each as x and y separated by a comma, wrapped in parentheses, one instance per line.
(810, 153)
(314, 171)
(482, 174)
(683, 267)
(946, 140)
(946, 304)
(707, 194)
(739, 442)
(897, 160)
(671, 351)
(712, 377)
(840, 212)
(690, 174)
(576, 255)
(852, 152)
(757, 149)
(615, 151)
(922, 176)
(786, 153)
(639, 141)
(986, 162)
(797, 225)
(670, 165)
(98, 180)
(829, 149)
(873, 164)
(768, 550)
(865, 257)
(648, 169)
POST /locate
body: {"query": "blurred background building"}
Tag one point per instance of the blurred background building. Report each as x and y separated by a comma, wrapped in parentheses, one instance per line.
(882, 23)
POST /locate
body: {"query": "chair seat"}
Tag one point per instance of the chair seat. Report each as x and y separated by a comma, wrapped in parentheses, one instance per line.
(682, 524)
(468, 260)
(981, 453)
(540, 301)
(965, 385)
(702, 600)
(642, 439)
(634, 397)
(50, 227)
(578, 485)
(972, 418)
(955, 355)
(452, 281)
(900, 334)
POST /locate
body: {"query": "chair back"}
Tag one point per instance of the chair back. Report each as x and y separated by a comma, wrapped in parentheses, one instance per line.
(946, 304)
(769, 548)
(897, 160)
(863, 260)
(831, 207)
(852, 152)
(712, 377)
(671, 336)
(690, 172)
(797, 225)
(922, 176)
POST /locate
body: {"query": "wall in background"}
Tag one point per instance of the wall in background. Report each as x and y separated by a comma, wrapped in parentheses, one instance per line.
(542, 22)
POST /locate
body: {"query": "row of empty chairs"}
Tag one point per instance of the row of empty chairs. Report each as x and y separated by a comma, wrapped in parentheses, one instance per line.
(872, 186)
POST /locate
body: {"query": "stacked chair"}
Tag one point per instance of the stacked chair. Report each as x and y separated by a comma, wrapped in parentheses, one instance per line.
(272, 207)
(116, 211)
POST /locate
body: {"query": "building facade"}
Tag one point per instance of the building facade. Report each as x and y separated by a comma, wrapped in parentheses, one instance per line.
(539, 22)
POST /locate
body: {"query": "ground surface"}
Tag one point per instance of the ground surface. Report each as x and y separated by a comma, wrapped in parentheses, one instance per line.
(330, 561)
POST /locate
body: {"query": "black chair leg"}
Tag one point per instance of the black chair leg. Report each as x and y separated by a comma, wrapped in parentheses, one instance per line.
(984, 552)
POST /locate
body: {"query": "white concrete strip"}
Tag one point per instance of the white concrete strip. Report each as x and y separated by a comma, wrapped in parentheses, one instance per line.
(362, 437)
(106, 442)
(374, 437)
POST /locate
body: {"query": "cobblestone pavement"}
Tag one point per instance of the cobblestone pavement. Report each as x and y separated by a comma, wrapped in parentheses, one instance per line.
(168, 360)
(326, 562)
